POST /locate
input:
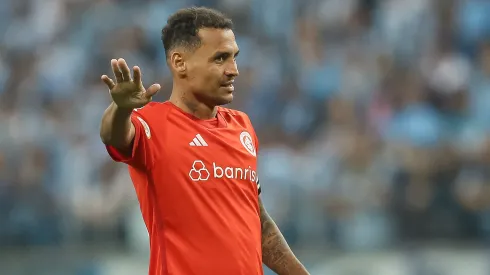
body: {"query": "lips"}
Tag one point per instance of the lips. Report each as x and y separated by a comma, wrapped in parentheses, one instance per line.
(228, 86)
(228, 83)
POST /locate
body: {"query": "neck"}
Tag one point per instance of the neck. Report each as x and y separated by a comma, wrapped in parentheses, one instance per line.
(188, 103)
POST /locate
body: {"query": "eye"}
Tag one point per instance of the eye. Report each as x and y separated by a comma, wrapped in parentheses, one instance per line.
(220, 59)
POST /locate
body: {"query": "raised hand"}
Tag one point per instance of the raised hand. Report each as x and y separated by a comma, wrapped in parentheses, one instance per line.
(127, 92)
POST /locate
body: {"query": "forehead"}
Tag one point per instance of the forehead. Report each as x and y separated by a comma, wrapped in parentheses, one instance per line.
(213, 40)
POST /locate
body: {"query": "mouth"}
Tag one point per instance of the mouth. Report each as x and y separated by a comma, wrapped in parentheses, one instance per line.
(228, 85)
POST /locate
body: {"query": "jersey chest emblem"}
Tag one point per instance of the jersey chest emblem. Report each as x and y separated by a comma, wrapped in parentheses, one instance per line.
(247, 142)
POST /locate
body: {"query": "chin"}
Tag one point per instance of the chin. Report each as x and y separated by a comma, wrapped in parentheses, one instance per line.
(223, 100)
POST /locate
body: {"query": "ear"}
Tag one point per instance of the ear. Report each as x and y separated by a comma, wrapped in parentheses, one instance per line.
(177, 62)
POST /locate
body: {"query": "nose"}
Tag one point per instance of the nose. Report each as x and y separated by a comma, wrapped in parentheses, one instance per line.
(232, 70)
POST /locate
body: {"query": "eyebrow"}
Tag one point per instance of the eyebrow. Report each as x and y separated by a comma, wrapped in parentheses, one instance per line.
(223, 53)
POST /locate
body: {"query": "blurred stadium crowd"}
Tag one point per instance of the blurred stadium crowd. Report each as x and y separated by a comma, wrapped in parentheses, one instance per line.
(373, 117)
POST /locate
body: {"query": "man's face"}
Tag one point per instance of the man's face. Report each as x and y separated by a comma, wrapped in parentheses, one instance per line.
(212, 68)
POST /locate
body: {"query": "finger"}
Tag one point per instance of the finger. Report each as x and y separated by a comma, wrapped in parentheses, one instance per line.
(152, 90)
(137, 74)
(126, 74)
(109, 82)
(116, 71)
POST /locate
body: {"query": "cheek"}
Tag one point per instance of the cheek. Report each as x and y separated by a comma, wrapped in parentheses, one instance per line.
(204, 81)
(210, 76)
(205, 76)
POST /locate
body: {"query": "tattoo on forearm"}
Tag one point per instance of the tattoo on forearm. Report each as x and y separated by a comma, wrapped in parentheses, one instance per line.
(276, 253)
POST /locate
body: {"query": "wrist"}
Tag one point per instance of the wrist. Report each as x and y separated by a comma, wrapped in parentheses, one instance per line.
(121, 110)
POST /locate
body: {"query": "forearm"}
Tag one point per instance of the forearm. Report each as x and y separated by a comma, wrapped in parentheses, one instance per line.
(116, 128)
(276, 253)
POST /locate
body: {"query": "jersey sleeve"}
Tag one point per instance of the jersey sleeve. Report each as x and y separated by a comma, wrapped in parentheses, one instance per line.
(257, 153)
(256, 143)
(142, 150)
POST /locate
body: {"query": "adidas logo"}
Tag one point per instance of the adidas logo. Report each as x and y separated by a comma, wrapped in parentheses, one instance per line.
(198, 141)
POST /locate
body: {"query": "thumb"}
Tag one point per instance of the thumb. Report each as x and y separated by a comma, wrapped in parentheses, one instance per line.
(152, 90)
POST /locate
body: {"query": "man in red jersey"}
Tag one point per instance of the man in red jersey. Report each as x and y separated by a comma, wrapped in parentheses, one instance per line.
(193, 163)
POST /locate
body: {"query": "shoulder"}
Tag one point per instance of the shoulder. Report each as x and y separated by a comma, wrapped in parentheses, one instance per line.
(237, 117)
(152, 114)
(152, 110)
(235, 114)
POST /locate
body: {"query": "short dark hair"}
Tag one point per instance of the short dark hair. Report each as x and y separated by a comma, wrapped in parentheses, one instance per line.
(183, 26)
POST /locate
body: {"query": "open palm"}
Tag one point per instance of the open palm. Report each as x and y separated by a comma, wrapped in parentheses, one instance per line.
(127, 92)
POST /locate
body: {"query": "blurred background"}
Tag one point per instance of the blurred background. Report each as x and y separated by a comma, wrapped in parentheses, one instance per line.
(373, 118)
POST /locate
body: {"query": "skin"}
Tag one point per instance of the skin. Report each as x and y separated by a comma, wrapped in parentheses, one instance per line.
(276, 253)
(199, 79)
(200, 74)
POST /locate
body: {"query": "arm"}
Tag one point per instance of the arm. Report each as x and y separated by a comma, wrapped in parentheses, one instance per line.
(117, 129)
(276, 253)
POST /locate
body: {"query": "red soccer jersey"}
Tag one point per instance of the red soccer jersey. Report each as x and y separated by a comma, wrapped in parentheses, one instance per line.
(198, 190)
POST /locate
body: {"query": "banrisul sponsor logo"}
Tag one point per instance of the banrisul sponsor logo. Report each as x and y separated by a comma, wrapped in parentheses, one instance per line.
(199, 172)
